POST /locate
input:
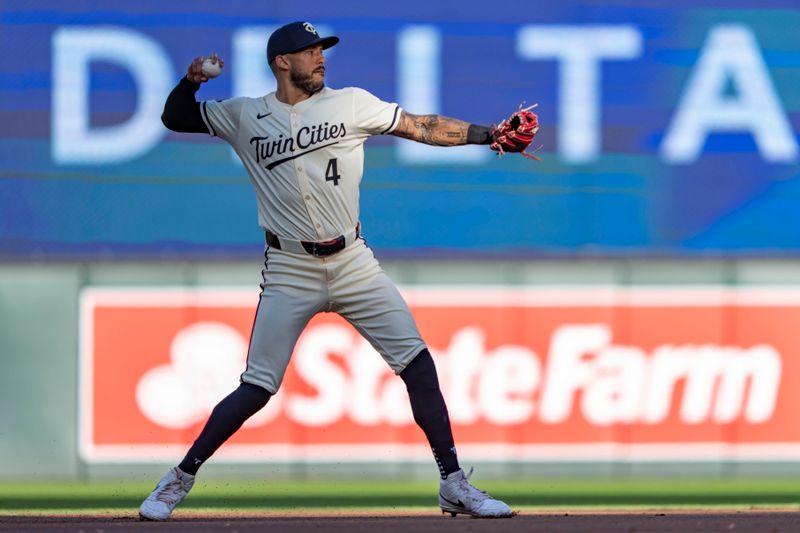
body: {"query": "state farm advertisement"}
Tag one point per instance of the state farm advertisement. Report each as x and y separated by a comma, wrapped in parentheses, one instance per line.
(562, 373)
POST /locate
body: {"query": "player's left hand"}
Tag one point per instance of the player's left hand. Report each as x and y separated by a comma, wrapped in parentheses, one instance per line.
(516, 132)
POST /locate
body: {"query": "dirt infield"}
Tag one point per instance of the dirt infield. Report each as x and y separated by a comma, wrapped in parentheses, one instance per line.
(583, 522)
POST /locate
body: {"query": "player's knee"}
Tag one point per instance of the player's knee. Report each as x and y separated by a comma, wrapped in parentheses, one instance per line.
(421, 373)
(254, 395)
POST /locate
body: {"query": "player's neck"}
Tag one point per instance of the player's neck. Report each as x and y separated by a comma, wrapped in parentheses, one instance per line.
(291, 94)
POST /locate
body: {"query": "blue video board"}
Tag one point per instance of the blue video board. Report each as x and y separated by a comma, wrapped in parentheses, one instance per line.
(667, 129)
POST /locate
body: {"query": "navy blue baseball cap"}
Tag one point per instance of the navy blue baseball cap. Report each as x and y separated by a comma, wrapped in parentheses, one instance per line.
(295, 37)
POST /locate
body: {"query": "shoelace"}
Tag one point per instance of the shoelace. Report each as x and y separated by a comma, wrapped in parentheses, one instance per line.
(170, 493)
(474, 492)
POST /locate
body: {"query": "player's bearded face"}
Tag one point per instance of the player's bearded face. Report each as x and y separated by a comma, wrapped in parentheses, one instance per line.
(307, 70)
(310, 82)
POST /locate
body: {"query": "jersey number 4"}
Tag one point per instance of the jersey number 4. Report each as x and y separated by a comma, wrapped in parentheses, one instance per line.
(331, 173)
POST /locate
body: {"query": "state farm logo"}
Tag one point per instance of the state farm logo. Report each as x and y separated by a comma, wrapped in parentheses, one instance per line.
(585, 371)
(205, 358)
(530, 373)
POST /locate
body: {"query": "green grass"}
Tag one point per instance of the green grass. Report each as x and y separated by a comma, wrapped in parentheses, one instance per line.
(210, 495)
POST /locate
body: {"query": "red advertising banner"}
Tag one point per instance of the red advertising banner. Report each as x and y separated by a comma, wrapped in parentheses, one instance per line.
(528, 374)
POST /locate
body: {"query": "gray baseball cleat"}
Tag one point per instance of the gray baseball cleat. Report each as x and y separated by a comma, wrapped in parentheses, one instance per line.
(458, 496)
(169, 492)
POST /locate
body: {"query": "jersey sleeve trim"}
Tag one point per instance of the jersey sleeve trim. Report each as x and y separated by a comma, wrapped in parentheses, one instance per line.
(204, 114)
(393, 125)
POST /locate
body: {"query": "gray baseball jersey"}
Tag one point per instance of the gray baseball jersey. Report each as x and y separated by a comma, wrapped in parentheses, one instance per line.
(306, 160)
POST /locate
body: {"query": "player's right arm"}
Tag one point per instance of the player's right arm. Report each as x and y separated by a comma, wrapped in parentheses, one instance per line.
(182, 110)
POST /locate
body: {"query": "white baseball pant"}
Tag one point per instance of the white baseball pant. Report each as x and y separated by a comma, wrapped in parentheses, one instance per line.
(297, 286)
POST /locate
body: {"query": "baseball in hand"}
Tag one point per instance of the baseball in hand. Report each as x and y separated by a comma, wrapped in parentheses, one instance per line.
(211, 69)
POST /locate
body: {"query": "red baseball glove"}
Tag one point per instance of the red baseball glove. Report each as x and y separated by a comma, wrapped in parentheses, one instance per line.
(515, 134)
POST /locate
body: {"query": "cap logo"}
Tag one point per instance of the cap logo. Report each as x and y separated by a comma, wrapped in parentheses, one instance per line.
(309, 28)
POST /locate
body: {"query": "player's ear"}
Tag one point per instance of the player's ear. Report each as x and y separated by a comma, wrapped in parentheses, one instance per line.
(281, 63)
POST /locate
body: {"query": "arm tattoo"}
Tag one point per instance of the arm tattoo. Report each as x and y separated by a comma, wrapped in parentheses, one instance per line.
(432, 129)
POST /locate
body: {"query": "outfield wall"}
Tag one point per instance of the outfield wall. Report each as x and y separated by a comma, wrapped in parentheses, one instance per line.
(745, 309)
(669, 134)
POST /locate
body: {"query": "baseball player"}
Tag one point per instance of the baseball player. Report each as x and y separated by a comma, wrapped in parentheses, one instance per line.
(302, 146)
